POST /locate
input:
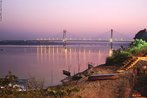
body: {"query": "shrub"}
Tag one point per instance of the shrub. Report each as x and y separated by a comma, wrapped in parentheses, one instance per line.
(137, 48)
(138, 43)
(118, 57)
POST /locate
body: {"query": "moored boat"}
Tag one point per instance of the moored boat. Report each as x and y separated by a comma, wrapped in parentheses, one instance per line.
(102, 77)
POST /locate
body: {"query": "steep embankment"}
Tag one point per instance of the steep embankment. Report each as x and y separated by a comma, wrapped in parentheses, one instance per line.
(118, 88)
(127, 84)
(141, 84)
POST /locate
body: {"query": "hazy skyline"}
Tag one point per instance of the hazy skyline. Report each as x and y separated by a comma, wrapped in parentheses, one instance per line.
(30, 19)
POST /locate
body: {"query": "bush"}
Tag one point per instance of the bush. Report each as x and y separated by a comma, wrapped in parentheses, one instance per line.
(118, 57)
(138, 43)
(137, 48)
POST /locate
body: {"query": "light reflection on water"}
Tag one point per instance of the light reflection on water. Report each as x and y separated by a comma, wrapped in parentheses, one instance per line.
(47, 62)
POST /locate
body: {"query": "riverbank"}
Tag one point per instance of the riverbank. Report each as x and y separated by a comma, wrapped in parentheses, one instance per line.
(118, 88)
(127, 85)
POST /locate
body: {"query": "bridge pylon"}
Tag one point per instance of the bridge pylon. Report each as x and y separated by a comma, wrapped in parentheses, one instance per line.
(111, 38)
(111, 43)
(64, 37)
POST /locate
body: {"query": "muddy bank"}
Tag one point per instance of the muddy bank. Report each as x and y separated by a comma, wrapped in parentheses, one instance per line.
(117, 88)
(127, 85)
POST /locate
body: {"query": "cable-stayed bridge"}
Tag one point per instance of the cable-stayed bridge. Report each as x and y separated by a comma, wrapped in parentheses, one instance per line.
(109, 37)
(104, 37)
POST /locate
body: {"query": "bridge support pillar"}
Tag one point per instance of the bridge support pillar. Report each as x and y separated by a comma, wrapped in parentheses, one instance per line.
(111, 43)
(111, 39)
(64, 37)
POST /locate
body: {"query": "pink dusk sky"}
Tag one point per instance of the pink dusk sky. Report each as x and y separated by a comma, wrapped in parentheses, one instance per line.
(30, 19)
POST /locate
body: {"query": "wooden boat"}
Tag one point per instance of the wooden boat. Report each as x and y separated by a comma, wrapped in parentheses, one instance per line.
(67, 73)
(102, 77)
(90, 66)
(66, 80)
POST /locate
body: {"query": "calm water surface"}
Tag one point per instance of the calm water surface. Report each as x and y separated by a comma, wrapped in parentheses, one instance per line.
(47, 62)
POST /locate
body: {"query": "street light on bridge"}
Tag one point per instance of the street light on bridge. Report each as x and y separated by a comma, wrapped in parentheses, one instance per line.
(111, 40)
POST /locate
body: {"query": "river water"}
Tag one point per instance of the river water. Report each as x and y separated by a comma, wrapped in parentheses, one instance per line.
(48, 61)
